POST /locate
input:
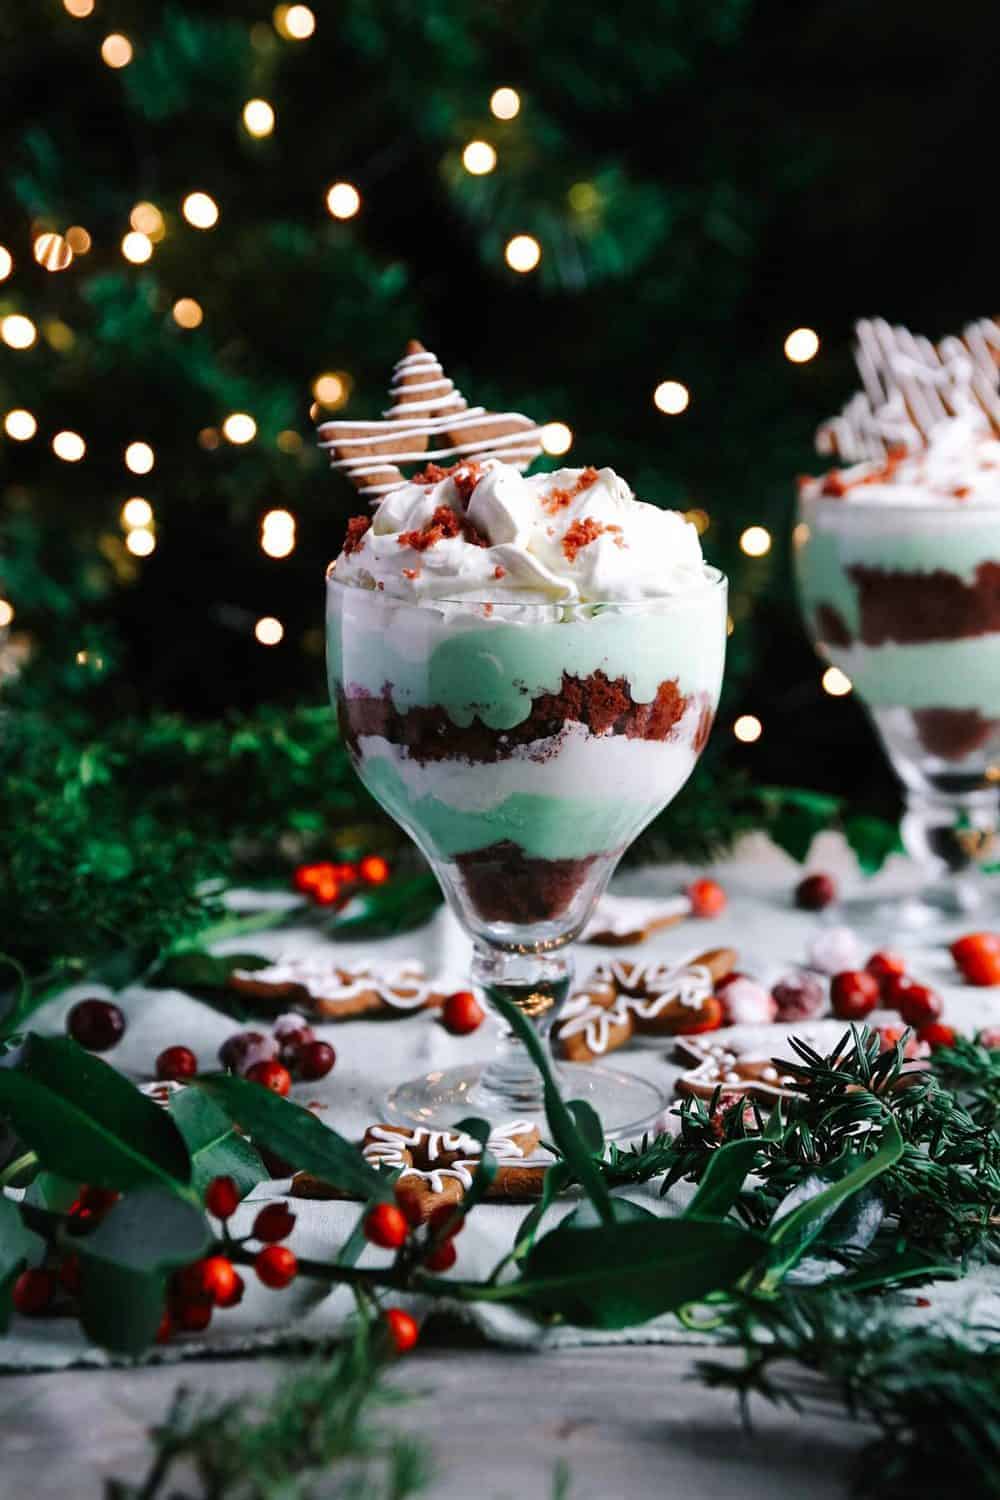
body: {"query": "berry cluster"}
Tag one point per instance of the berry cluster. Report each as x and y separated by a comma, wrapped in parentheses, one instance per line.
(329, 884)
(387, 1226)
(855, 993)
(291, 1049)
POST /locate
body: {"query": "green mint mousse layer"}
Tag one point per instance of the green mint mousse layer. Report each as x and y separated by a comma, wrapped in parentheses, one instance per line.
(960, 674)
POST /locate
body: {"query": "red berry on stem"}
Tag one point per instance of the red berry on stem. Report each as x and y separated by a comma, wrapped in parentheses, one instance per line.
(386, 1225)
(276, 1266)
(815, 892)
(707, 898)
(236, 1293)
(374, 869)
(222, 1197)
(708, 1018)
(175, 1064)
(307, 877)
(218, 1276)
(462, 1013)
(166, 1327)
(978, 956)
(271, 1075)
(918, 1005)
(401, 1328)
(97, 1025)
(886, 966)
(33, 1291)
(442, 1257)
(936, 1035)
(273, 1223)
(327, 892)
(193, 1317)
(316, 1059)
(854, 994)
(446, 1220)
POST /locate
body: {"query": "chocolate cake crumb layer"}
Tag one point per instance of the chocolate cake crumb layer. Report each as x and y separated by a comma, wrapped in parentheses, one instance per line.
(953, 733)
(937, 606)
(831, 627)
(602, 705)
(503, 884)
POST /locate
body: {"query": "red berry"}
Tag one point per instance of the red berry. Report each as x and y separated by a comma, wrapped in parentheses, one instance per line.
(327, 892)
(446, 1220)
(978, 956)
(854, 994)
(33, 1291)
(245, 1048)
(222, 1197)
(707, 898)
(936, 1035)
(273, 1223)
(374, 869)
(918, 1005)
(402, 1329)
(69, 1274)
(193, 1317)
(410, 1207)
(276, 1266)
(886, 966)
(90, 1207)
(708, 1018)
(271, 1075)
(815, 892)
(462, 1013)
(96, 1025)
(799, 997)
(308, 877)
(292, 1034)
(316, 1059)
(236, 1294)
(386, 1225)
(176, 1064)
(442, 1257)
(166, 1327)
(218, 1276)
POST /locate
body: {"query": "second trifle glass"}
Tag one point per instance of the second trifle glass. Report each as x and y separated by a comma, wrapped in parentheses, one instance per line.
(523, 747)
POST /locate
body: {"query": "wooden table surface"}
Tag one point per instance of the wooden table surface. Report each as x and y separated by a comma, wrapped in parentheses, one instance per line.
(628, 1421)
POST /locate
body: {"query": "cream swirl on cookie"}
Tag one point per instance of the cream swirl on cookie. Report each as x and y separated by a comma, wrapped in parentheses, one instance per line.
(485, 529)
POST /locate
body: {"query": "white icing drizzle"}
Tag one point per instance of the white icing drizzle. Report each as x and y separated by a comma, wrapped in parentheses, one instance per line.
(402, 986)
(621, 915)
(665, 984)
(389, 1148)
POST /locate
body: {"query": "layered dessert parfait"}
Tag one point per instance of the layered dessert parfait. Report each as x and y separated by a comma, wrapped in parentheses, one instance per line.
(525, 669)
(898, 547)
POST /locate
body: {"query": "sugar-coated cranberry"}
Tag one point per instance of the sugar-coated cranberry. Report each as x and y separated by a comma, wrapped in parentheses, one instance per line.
(386, 1225)
(989, 1038)
(854, 994)
(316, 1059)
(276, 1266)
(978, 956)
(243, 1049)
(222, 1197)
(747, 1003)
(886, 966)
(235, 1295)
(33, 1292)
(708, 1017)
(707, 898)
(274, 1222)
(175, 1064)
(97, 1025)
(936, 1034)
(918, 1004)
(462, 1013)
(835, 949)
(401, 1328)
(815, 892)
(447, 1219)
(271, 1075)
(292, 1034)
(442, 1257)
(799, 997)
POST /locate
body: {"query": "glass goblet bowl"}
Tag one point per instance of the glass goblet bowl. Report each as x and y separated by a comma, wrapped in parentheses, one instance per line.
(523, 747)
(905, 600)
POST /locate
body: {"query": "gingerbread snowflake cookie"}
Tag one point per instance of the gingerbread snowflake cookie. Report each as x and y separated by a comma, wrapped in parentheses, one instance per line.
(437, 1166)
(334, 991)
(621, 1000)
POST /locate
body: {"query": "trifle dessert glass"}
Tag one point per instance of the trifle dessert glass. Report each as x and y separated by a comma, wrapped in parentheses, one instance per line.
(898, 563)
(525, 670)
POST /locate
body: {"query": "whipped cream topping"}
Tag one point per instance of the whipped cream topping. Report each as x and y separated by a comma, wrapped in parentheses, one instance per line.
(486, 530)
(960, 464)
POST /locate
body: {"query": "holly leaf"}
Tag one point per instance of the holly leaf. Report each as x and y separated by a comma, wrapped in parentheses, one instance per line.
(18, 1245)
(794, 817)
(295, 1134)
(215, 1147)
(383, 910)
(873, 840)
(149, 1230)
(120, 1309)
(87, 1122)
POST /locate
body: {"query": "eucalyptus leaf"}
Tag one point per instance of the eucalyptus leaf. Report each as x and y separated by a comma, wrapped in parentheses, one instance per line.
(723, 1178)
(588, 1123)
(486, 1167)
(216, 1148)
(556, 1179)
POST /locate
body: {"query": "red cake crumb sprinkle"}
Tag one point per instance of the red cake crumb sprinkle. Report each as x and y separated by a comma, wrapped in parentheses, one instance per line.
(411, 573)
(499, 572)
(444, 523)
(582, 533)
(833, 484)
(557, 500)
(357, 526)
(466, 475)
(961, 491)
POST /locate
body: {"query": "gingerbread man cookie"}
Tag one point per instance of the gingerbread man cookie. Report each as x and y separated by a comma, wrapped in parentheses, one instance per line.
(334, 991)
(437, 1166)
(622, 999)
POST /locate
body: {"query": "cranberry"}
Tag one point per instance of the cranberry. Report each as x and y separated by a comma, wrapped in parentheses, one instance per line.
(894, 987)
(462, 1013)
(222, 1197)
(815, 892)
(271, 1075)
(708, 1018)
(174, 1064)
(936, 1034)
(33, 1291)
(243, 1049)
(978, 956)
(854, 994)
(292, 1034)
(799, 997)
(276, 1266)
(446, 1220)
(97, 1025)
(886, 966)
(747, 1003)
(707, 898)
(442, 1257)
(401, 1328)
(218, 1276)
(316, 1060)
(918, 1005)
(274, 1222)
(386, 1225)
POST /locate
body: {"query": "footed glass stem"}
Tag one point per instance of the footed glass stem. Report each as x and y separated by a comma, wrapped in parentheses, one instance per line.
(537, 984)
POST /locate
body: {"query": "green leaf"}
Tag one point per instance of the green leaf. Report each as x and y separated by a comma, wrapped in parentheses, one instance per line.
(194, 969)
(295, 1134)
(215, 1147)
(120, 1309)
(52, 1192)
(382, 911)
(87, 1122)
(149, 1230)
(724, 1176)
(873, 840)
(588, 1123)
(909, 1264)
(487, 1166)
(620, 1274)
(556, 1179)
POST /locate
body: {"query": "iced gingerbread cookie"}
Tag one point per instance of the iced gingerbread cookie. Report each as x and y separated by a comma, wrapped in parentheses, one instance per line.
(437, 1166)
(340, 992)
(620, 921)
(622, 1000)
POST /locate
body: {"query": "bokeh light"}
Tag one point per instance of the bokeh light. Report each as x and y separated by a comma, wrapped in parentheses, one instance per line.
(140, 541)
(239, 427)
(201, 211)
(6, 613)
(755, 541)
(17, 331)
(671, 397)
(557, 438)
(748, 728)
(52, 251)
(78, 239)
(332, 389)
(268, 630)
(343, 200)
(69, 446)
(6, 263)
(505, 103)
(116, 50)
(836, 682)
(137, 247)
(20, 425)
(277, 533)
(187, 312)
(523, 253)
(79, 9)
(802, 345)
(147, 219)
(258, 117)
(478, 158)
(136, 512)
(139, 458)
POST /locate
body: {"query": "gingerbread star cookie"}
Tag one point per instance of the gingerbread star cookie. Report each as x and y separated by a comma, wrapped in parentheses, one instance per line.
(334, 991)
(437, 1166)
(428, 418)
(621, 1000)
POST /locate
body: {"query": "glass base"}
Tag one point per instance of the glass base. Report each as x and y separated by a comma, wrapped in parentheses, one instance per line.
(928, 913)
(626, 1104)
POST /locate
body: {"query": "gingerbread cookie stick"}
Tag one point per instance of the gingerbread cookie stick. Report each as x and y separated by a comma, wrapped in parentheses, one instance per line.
(338, 992)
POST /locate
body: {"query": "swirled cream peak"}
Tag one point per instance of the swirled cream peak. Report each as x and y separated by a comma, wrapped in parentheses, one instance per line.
(959, 463)
(486, 530)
